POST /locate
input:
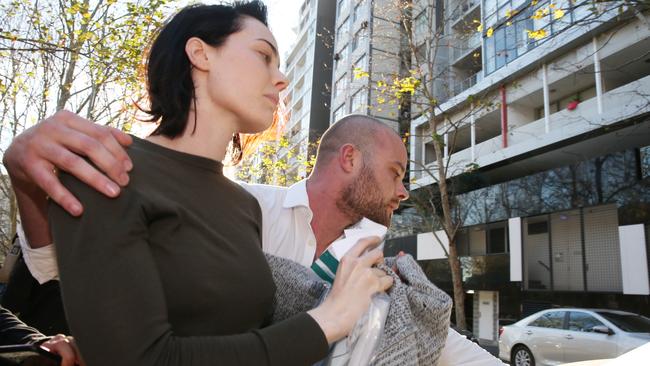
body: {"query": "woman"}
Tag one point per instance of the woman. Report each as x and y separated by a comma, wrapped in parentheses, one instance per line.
(172, 272)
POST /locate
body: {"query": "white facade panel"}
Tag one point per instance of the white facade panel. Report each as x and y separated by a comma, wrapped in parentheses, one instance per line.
(514, 237)
(634, 263)
(431, 247)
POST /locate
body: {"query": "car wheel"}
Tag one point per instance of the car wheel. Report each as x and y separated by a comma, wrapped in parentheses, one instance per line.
(521, 356)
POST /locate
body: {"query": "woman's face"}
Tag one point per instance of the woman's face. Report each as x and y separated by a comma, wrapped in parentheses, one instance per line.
(244, 77)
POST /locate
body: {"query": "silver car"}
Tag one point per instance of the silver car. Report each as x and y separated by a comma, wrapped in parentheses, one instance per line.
(557, 336)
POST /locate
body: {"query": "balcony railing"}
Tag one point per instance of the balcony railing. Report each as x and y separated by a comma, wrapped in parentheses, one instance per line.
(461, 47)
(462, 85)
(462, 9)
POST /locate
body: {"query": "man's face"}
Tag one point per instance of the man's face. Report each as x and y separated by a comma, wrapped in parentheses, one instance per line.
(378, 188)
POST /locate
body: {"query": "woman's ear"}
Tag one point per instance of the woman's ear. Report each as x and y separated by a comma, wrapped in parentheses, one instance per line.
(196, 51)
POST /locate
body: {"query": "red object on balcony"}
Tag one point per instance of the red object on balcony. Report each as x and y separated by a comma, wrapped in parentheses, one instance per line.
(500, 331)
(572, 105)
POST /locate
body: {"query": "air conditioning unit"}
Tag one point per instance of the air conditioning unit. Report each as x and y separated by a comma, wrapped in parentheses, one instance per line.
(337, 57)
(364, 24)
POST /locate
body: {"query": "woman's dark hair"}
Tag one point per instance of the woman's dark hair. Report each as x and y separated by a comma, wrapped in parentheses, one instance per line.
(169, 78)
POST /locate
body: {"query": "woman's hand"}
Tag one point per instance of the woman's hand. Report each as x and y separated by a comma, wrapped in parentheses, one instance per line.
(65, 347)
(355, 283)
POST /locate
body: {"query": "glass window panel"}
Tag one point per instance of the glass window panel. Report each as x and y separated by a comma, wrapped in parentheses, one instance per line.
(490, 7)
(511, 43)
(565, 21)
(497, 240)
(523, 24)
(489, 55)
(500, 47)
(517, 3)
(582, 322)
(339, 113)
(553, 319)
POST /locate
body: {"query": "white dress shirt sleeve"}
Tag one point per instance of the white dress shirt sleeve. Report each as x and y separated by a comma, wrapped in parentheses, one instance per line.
(461, 351)
(41, 262)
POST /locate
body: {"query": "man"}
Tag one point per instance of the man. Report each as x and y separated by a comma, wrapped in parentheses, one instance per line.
(299, 222)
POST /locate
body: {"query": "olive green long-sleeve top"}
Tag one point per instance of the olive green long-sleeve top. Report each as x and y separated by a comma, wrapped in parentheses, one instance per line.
(172, 272)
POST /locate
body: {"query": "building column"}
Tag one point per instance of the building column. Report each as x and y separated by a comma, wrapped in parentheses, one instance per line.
(446, 152)
(472, 129)
(547, 102)
(504, 117)
(598, 76)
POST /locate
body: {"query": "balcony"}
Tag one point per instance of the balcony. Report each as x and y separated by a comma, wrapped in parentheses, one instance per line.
(463, 10)
(462, 50)
(462, 85)
(619, 104)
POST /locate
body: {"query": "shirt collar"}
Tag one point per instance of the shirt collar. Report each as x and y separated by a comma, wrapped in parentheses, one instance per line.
(296, 195)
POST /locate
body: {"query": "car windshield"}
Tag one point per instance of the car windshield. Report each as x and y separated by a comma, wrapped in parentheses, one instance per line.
(628, 322)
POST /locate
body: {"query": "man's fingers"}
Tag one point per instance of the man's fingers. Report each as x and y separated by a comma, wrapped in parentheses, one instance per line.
(103, 145)
(82, 170)
(46, 179)
(91, 147)
(385, 282)
(372, 257)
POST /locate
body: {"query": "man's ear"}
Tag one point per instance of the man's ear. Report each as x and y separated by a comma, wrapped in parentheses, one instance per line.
(196, 51)
(349, 158)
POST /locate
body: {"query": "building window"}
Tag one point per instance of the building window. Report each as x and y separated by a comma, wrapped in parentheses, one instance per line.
(361, 63)
(497, 239)
(343, 29)
(339, 113)
(358, 9)
(510, 39)
(421, 26)
(357, 39)
(340, 86)
(644, 155)
(359, 102)
(339, 7)
(341, 56)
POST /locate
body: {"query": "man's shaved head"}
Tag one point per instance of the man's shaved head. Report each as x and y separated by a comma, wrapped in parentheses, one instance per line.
(374, 189)
(355, 129)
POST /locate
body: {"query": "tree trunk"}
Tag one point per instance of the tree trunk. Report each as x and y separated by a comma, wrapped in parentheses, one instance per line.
(450, 230)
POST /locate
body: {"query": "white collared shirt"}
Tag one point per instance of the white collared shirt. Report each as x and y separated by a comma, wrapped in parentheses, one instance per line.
(286, 221)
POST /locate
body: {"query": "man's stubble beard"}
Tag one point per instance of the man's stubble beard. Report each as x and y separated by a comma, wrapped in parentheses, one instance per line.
(361, 199)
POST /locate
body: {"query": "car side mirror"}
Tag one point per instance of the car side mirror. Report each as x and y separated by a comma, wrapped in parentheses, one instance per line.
(602, 329)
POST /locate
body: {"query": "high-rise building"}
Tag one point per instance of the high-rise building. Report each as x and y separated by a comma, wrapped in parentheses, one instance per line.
(366, 51)
(309, 70)
(544, 110)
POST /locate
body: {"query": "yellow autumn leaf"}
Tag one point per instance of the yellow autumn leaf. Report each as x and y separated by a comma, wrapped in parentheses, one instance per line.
(359, 73)
(489, 32)
(536, 35)
(510, 13)
(539, 14)
(558, 13)
(479, 28)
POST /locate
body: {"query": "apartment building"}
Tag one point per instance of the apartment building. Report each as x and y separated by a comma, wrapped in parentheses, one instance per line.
(309, 70)
(546, 121)
(367, 40)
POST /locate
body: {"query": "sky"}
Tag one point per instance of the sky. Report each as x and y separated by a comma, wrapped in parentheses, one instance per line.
(283, 21)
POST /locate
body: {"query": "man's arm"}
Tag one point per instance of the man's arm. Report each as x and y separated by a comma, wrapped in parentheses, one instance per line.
(60, 142)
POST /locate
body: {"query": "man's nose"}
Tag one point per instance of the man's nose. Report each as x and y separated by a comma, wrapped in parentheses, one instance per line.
(402, 193)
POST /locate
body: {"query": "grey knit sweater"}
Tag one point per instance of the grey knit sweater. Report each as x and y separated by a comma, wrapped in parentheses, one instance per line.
(418, 320)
